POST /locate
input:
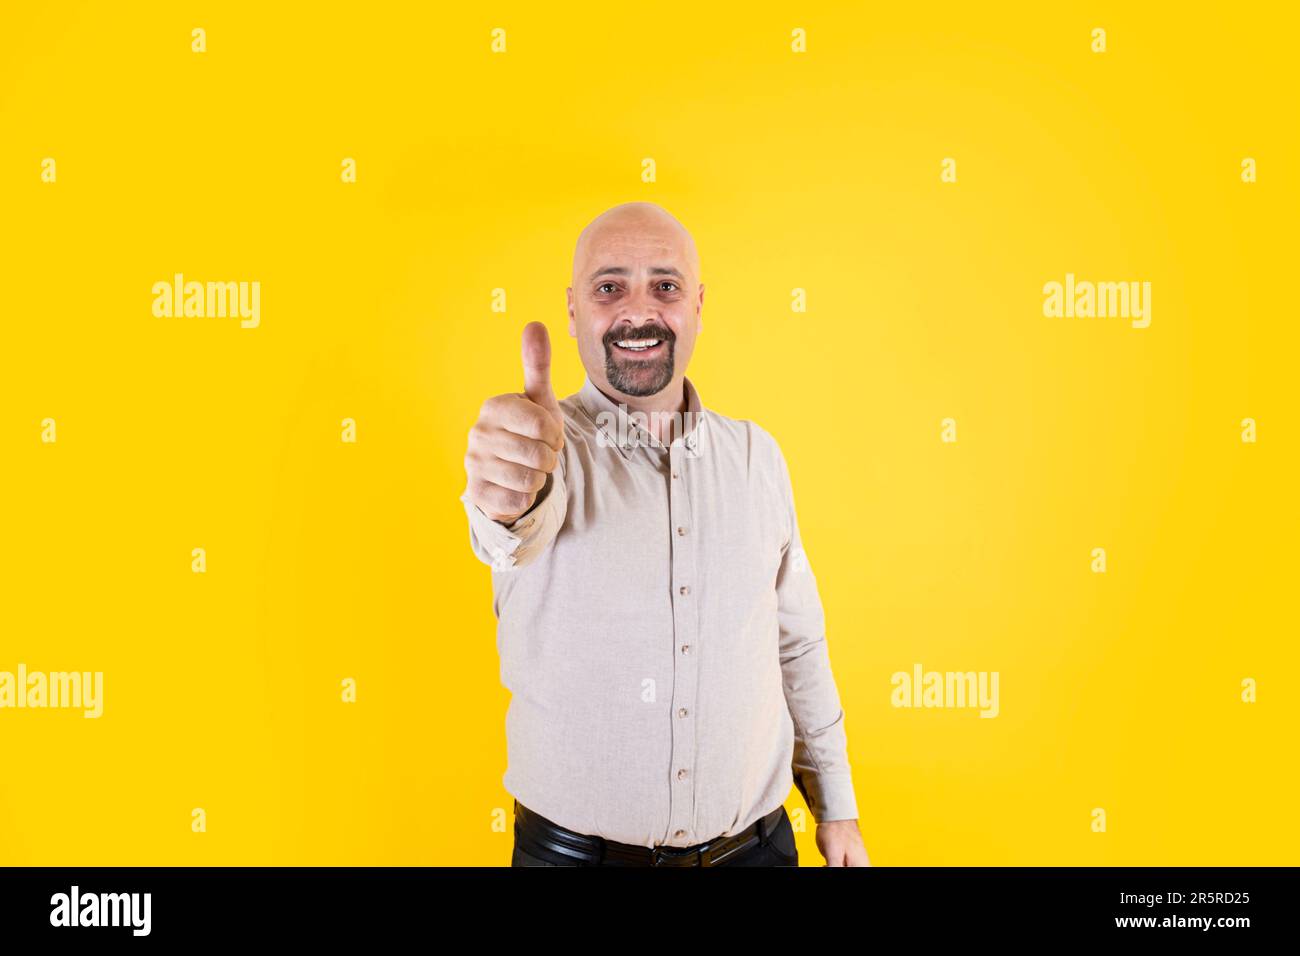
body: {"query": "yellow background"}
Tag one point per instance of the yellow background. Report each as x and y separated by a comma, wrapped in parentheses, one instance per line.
(818, 171)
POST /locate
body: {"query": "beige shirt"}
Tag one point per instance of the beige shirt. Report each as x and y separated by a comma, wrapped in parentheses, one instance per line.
(660, 631)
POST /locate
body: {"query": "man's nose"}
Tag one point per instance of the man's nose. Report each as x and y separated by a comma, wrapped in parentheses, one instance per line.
(640, 309)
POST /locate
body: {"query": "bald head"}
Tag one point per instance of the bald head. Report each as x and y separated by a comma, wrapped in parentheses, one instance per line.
(644, 219)
(635, 304)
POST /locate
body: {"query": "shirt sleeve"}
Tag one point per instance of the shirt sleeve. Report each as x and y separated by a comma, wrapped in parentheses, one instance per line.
(506, 547)
(821, 763)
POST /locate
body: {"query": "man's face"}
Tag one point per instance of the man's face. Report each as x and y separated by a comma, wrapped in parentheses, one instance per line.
(635, 307)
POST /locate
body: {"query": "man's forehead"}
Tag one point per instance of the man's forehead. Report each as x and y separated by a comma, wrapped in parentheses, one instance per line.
(632, 245)
(627, 253)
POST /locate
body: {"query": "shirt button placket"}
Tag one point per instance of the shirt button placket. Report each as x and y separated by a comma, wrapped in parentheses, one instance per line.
(686, 658)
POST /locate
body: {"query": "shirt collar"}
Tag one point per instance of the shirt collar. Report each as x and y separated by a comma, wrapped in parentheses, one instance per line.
(622, 429)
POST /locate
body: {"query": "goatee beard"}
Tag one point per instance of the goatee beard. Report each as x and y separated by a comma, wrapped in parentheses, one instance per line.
(635, 377)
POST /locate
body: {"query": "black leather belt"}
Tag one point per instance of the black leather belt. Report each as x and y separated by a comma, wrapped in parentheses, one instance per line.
(540, 837)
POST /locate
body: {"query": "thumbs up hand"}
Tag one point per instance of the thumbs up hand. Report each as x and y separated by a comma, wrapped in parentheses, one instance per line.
(514, 446)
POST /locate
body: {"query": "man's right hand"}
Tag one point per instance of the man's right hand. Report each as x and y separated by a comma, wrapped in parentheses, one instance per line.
(515, 444)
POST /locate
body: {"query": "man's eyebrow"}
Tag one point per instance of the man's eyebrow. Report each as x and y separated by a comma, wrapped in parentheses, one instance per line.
(622, 271)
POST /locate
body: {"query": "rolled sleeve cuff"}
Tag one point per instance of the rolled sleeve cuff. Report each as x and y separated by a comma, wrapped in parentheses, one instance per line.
(496, 543)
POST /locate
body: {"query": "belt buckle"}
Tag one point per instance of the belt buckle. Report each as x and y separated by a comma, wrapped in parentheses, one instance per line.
(665, 855)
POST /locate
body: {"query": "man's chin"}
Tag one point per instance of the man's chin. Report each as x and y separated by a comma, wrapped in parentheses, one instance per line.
(638, 380)
(640, 383)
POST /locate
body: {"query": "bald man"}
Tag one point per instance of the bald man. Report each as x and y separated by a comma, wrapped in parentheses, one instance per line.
(659, 625)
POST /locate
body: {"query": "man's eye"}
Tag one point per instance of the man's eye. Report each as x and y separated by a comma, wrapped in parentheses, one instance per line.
(666, 282)
(604, 285)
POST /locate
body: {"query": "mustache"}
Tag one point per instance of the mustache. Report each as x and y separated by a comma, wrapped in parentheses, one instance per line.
(661, 332)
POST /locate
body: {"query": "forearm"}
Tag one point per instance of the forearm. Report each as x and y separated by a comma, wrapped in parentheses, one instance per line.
(820, 764)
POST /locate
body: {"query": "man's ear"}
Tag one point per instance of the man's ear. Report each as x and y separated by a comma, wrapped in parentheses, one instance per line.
(699, 309)
(573, 328)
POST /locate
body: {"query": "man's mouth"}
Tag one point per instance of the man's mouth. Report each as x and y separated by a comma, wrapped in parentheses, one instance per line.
(639, 346)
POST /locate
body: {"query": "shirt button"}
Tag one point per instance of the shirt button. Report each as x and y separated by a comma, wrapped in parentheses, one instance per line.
(684, 589)
(681, 774)
(679, 834)
(686, 648)
(674, 474)
(681, 711)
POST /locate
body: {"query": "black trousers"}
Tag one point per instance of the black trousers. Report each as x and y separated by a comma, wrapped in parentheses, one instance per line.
(778, 850)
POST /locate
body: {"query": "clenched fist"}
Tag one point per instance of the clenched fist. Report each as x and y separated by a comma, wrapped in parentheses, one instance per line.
(514, 446)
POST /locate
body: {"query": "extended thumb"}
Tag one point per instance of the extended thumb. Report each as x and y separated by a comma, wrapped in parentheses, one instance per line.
(537, 368)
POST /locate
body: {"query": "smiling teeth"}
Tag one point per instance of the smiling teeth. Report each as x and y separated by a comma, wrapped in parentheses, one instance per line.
(637, 345)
